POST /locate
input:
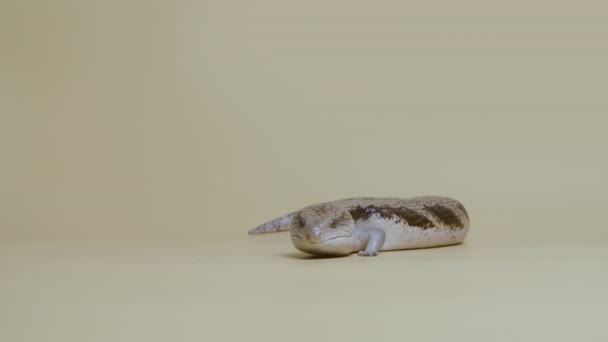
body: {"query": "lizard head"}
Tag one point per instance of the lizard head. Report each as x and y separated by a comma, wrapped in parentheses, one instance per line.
(323, 229)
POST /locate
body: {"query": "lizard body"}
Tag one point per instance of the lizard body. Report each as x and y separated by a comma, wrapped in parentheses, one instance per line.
(368, 225)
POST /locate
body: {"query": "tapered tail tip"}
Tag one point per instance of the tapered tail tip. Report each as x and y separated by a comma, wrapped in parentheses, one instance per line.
(277, 225)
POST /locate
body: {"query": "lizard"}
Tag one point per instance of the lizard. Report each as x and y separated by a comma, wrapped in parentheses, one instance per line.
(368, 225)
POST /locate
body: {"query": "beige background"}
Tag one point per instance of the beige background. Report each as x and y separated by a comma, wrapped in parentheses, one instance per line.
(139, 141)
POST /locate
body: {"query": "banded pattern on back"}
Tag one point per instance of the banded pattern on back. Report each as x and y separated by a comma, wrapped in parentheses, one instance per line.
(422, 212)
(400, 214)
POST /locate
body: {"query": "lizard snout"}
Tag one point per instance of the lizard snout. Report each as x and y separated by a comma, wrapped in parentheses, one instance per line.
(312, 235)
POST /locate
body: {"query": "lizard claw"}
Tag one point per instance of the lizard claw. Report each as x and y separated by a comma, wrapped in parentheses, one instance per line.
(366, 253)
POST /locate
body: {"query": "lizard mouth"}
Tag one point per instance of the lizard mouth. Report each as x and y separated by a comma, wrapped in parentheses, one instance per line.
(299, 238)
(339, 245)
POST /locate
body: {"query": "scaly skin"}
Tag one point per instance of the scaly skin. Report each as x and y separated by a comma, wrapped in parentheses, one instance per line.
(368, 225)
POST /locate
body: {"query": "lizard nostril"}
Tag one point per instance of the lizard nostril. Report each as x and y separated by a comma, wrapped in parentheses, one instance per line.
(313, 235)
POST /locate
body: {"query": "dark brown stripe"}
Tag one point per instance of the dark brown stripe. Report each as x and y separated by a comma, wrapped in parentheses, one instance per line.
(398, 214)
(463, 210)
(445, 215)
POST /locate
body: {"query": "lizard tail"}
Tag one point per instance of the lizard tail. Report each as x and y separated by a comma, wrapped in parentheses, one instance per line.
(277, 225)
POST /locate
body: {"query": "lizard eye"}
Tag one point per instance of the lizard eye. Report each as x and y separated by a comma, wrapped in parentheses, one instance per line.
(334, 224)
(299, 221)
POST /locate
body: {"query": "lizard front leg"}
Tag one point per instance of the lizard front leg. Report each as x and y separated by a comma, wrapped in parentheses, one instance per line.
(370, 241)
